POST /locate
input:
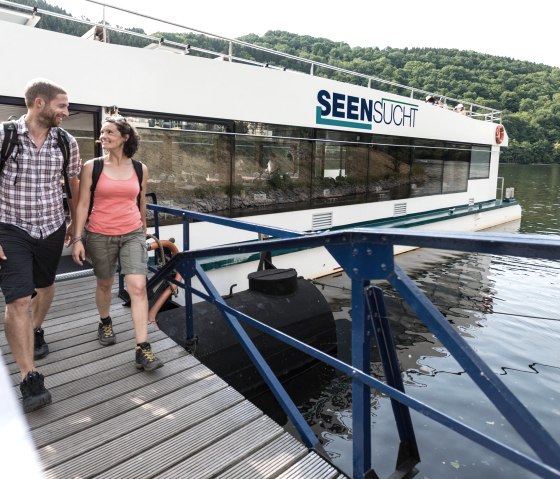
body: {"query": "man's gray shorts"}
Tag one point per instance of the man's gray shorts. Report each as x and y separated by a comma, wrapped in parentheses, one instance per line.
(103, 251)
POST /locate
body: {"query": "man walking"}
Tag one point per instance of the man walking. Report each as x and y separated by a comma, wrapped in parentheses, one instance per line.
(33, 228)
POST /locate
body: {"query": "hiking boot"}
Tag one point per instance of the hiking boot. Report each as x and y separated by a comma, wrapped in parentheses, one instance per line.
(33, 392)
(146, 359)
(40, 348)
(105, 332)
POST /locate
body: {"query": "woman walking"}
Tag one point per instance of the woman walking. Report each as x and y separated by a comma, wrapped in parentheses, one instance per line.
(116, 229)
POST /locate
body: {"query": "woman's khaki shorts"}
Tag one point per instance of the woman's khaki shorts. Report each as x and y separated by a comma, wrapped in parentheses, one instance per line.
(130, 248)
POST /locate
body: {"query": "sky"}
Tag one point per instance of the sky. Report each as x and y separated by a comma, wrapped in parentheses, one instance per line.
(520, 30)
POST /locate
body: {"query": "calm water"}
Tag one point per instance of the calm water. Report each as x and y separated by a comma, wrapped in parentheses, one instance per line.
(507, 309)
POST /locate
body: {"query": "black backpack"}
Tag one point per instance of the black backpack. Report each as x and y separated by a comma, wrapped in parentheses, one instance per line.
(96, 173)
(11, 141)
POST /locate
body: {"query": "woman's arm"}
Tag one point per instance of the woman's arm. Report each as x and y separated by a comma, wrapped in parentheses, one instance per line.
(78, 248)
(143, 198)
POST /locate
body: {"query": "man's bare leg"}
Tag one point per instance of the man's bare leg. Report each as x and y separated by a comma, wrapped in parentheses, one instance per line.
(41, 304)
(18, 327)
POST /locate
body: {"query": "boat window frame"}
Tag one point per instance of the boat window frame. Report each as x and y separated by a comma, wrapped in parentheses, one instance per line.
(345, 140)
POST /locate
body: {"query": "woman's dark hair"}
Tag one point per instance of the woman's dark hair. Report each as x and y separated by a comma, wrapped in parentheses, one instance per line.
(130, 146)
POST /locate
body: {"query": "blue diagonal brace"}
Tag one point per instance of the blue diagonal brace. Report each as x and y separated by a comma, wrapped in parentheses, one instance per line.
(408, 451)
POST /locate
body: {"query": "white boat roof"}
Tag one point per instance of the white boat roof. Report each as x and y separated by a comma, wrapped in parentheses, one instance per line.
(165, 78)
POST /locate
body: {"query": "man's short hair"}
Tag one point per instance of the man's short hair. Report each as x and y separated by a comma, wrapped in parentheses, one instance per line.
(41, 87)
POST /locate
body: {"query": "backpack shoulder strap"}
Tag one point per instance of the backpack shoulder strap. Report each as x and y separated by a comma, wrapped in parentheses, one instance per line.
(95, 174)
(64, 145)
(140, 174)
(9, 143)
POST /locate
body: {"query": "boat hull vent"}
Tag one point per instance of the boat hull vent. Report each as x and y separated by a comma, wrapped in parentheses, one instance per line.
(322, 221)
(399, 209)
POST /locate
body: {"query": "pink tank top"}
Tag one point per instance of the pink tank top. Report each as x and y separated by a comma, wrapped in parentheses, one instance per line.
(115, 210)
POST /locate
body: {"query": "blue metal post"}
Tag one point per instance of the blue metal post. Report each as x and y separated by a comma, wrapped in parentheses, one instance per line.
(361, 402)
(189, 323)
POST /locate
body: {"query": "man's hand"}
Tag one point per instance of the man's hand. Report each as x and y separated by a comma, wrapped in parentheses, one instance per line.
(69, 234)
(2, 255)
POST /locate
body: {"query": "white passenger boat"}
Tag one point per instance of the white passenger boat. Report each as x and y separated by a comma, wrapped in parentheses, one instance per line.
(272, 143)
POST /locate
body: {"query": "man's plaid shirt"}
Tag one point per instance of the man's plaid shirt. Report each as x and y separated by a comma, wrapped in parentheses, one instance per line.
(30, 183)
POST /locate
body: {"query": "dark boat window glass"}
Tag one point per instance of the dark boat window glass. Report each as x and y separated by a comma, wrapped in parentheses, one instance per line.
(427, 172)
(270, 174)
(455, 169)
(339, 173)
(480, 162)
(243, 168)
(189, 163)
(389, 172)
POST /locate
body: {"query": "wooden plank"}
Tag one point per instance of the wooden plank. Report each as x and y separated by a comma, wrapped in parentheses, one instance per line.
(191, 432)
(208, 397)
(311, 466)
(268, 461)
(219, 455)
(161, 443)
(111, 402)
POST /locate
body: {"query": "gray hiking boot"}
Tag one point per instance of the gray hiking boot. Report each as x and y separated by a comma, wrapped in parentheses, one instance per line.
(146, 359)
(105, 332)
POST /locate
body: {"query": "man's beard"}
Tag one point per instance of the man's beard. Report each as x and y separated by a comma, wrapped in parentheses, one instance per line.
(48, 118)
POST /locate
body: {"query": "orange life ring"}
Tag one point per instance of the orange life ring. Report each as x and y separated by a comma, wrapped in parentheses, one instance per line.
(500, 134)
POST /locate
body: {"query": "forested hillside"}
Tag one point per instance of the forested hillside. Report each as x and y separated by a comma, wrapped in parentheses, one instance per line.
(527, 93)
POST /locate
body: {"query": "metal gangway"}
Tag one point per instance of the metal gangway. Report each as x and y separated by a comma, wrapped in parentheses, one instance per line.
(367, 254)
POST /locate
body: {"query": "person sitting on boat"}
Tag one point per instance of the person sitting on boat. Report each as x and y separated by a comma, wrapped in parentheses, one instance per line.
(117, 229)
(460, 109)
(431, 100)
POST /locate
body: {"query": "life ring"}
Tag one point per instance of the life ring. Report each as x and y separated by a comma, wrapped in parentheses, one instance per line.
(500, 134)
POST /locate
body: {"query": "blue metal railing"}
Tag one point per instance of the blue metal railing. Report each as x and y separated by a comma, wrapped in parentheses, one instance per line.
(367, 254)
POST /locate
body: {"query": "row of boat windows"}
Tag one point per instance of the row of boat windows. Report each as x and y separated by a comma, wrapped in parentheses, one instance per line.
(242, 168)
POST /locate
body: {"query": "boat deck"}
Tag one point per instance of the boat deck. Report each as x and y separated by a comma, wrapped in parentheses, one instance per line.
(107, 419)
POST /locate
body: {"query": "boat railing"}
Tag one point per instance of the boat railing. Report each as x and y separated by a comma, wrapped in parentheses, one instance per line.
(500, 188)
(233, 52)
(367, 255)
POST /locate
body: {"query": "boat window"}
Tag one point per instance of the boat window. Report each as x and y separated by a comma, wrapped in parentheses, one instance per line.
(480, 162)
(389, 172)
(270, 174)
(189, 163)
(427, 172)
(242, 168)
(340, 173)
(81, 125)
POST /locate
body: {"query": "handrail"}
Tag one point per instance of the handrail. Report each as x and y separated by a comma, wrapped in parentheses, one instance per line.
(367, 254)
(486, 113)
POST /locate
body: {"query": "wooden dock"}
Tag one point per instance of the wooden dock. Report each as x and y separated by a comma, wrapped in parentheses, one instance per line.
(109, 420)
